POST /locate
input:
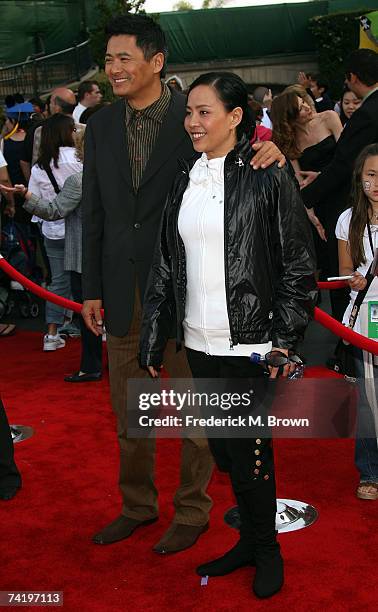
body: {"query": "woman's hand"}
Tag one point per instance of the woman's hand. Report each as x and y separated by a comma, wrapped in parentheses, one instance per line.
(267, 154)
(19, 189)
(316, 223)
(303, 80)
(286, 370)
(153, 372)
(306, 177)
(358, 282)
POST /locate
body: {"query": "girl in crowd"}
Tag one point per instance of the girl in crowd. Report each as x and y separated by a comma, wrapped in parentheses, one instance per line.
(234, 268)
(309, 139)
(67, 205)
(348, 104)
(56, 162)
(357, 234)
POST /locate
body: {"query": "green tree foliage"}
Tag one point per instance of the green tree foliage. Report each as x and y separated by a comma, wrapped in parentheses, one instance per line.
(337, 35)
(105, 10)
(212, 4)
(183, 5)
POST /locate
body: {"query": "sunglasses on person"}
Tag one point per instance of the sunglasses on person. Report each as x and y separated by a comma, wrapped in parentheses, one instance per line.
(277, 359)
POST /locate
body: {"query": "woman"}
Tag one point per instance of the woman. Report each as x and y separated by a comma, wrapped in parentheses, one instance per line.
(309, 140)
(261, 133)
(357, 236)
(349, 103)
(67, 205)
(222, 225)
(56, 162)
(12, 147)
(306, 137)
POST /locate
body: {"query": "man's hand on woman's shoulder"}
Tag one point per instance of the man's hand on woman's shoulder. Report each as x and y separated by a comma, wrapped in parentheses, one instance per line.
(267, 153)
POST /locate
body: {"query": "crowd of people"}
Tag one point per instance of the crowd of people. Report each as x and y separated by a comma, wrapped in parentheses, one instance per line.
(164, 209)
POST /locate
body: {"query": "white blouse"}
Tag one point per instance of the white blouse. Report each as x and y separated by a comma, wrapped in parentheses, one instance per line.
(41, 186)
(342, 233)
(201, 227)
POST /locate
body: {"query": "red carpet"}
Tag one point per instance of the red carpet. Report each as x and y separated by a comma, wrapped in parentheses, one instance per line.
(69, 471)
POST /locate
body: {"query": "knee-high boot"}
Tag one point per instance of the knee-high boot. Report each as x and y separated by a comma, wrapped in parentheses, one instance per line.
(260, 501)
(239, 555)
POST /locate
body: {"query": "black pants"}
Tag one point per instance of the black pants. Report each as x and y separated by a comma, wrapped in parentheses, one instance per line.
(91, 345)
(249, 461)
(9, 475)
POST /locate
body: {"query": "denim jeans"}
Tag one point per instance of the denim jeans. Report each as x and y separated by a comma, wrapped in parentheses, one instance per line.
(366, 450)
(60, 280)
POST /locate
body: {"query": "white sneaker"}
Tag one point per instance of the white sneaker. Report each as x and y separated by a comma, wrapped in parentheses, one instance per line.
(16, 286)
(52, 343)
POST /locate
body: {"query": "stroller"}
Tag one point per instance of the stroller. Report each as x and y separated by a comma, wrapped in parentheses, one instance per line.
(18, 247)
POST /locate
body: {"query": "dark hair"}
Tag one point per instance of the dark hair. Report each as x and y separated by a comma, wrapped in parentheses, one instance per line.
(66, 107)
(57, 131)
(364, 64)
(343, 117)
(232, 92)
(38, 102)
(23, 121)
(256, 109)
(360, 207)
(148, 34)
(320, 81)
(9, 101)
(259, 93)
(85, 87)
(90, 111)
(18, 98)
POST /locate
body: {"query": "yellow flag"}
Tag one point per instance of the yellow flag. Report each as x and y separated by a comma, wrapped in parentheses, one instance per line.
(369, 31)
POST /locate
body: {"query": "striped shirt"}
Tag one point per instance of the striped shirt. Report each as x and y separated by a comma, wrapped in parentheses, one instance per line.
(142, 129)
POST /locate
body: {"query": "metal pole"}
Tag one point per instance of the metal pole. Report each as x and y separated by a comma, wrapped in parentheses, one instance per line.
(35, 78)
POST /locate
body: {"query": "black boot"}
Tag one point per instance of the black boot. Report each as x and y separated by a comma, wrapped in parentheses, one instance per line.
(239, 556)
(269, 577)
(262, 506)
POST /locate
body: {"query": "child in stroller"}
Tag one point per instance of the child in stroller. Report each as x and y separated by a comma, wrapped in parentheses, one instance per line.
(18, 247)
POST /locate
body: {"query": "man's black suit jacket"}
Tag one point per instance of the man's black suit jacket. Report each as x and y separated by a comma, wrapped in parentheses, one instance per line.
(334, 183)
(120, 226)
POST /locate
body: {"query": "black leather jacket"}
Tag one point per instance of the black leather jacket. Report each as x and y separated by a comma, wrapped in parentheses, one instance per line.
(269, 260)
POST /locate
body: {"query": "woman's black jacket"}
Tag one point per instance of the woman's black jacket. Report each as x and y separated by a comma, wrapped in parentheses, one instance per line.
(269, 261)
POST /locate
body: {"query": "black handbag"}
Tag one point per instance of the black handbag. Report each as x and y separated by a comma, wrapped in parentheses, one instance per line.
(343, 359)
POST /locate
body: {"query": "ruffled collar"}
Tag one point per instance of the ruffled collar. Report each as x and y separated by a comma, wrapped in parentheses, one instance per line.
(205, 169)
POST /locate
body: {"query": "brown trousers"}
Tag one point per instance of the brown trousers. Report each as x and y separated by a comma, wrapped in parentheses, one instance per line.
(137, 456)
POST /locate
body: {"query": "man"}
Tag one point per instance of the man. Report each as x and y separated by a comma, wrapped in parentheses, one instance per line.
(264, 97)
(62, 100)
(131, 157)
(88, 95)
(10, 479)
(334, 183)
(316, 88)
(319, 87)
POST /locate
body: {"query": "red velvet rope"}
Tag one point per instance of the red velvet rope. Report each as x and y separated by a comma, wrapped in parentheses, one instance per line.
(319, 315)
(36, 289)
(345, 333)
(332, 284)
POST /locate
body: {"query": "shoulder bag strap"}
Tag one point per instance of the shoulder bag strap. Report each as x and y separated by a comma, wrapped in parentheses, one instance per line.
(52, 178)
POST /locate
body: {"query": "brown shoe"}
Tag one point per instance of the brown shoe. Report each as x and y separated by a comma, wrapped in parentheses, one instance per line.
(179, 537)
(119, 529)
